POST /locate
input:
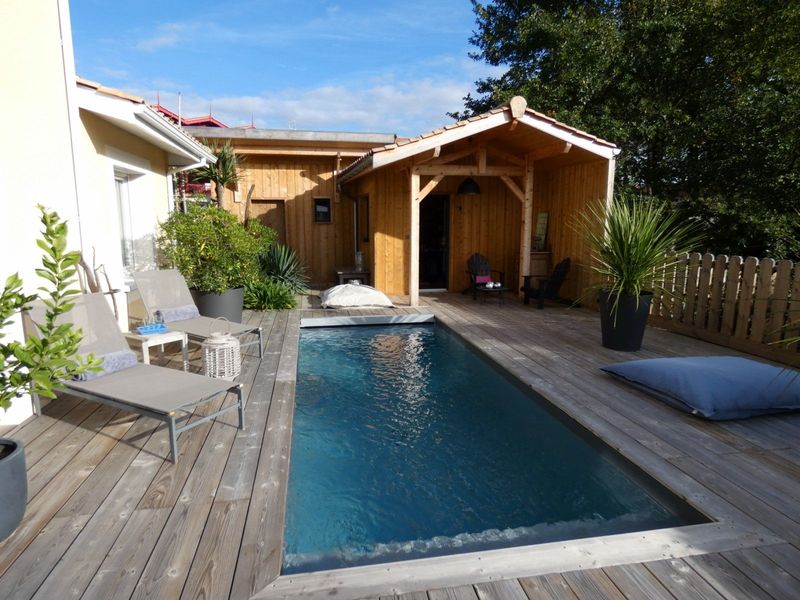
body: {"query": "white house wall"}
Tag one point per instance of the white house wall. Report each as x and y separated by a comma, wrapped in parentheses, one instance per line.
(36, 161)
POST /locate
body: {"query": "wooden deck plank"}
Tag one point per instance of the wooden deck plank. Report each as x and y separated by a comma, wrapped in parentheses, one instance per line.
(463, 592)
(552, 586)
(635, 581)
(729, 581)
(681, 580)
(772, 578)
(593, 583)
(506, 589)
(111, 518)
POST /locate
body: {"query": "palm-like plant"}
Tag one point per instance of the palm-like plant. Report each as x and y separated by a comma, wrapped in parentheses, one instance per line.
(634, 241)
(224, 172)
(280, 263)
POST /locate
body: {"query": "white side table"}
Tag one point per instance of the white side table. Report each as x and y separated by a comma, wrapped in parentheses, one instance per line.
(145, 342)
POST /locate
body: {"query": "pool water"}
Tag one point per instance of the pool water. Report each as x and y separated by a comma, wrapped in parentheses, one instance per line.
(407, 444)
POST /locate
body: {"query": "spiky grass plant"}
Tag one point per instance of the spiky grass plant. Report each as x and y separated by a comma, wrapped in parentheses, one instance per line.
(280, 263)
(634, 241)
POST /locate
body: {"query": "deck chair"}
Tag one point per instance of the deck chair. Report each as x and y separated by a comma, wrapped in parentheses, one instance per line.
(480, 272)
(167, 289)
(165, 394)
(547, 288)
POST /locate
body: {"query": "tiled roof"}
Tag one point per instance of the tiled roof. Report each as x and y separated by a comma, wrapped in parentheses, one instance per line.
(364, 161)
(109, 91)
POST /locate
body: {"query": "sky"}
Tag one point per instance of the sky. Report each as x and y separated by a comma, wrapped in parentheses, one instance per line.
(380, 66)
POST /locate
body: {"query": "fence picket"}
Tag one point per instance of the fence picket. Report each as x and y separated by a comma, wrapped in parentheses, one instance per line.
(763, 291)
(703, 286)
(744, 309)
(679, 289)
(692, 273)
(779, 303)
(717, 293)
(729, 305)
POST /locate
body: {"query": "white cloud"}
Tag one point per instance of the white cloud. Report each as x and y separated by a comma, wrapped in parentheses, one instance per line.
(405, 108)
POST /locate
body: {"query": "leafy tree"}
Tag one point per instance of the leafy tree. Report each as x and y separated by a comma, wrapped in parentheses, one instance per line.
(703, 97)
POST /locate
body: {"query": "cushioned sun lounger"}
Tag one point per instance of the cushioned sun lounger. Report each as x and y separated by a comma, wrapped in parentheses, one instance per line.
(165, 394)
(167, 289)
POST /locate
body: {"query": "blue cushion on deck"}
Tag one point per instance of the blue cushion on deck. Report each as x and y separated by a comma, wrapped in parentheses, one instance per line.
(714, 387)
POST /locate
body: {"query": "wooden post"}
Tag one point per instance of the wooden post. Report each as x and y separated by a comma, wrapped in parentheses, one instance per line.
(413, 255)
(525, 235)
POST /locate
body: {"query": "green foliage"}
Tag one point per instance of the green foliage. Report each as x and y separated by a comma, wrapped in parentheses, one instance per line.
(267, 294)
(703, 98)
(280, 263)
(634, 242)
(222, 173)
(212, 250)
(37, 364)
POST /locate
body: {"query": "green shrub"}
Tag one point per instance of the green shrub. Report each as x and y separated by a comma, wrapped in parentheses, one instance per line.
(280, 263)
(212, 250)
(267, 294)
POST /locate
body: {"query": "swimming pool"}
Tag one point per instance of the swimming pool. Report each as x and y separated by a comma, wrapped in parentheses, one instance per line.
(406, 444)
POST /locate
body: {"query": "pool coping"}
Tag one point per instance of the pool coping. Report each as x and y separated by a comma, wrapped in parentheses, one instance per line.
(730, 530)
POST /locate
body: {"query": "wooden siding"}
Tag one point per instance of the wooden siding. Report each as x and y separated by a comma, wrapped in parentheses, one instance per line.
(489, 224)
(297, 180)
(564, 192)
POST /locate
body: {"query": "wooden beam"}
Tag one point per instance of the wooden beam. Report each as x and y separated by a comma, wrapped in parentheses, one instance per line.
(511, 184)
(429, 187)
(502, 154)
(527, 220)
(449, 136)
(468, 170)
(442, 160)
(549, 150)
(482, 160)
(413, 255)
(437, 151)
(298, 151)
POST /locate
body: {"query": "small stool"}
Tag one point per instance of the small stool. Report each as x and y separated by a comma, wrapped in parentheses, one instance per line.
(145, 342)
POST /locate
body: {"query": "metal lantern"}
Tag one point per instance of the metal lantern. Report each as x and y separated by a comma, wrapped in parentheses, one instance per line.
(222, 355)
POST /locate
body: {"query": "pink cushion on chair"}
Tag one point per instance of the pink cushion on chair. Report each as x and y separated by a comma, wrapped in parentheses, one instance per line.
(482, 279)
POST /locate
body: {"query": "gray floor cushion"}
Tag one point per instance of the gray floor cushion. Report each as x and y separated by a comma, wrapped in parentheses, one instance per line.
(714, 387)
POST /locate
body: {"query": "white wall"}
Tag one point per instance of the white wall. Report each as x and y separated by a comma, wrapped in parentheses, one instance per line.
(36, 158)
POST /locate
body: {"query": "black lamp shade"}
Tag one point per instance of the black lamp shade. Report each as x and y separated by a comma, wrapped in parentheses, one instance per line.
(468, 187)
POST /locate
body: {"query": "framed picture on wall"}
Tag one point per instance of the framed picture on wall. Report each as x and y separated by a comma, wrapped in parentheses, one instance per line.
(540, 233)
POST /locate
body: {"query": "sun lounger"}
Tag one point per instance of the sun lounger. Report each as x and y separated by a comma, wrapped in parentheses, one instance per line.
(165, 394)
(166, 290)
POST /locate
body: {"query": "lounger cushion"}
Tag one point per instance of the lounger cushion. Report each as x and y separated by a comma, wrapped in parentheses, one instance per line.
(714, 387)
(479, 279)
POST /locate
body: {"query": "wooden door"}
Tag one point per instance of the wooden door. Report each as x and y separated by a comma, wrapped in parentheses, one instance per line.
(271, 213)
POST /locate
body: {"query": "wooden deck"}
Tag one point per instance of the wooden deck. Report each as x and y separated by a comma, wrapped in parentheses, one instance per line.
(110, 517)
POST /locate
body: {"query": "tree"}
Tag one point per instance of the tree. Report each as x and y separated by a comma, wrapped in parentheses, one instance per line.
(222, 173)
(703, 97)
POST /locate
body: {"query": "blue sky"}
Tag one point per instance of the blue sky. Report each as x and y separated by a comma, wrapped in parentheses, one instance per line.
(347, 66)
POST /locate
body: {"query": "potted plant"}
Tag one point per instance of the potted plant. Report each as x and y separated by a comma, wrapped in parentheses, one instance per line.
(35, 366)
(216, 254)
(633, 240)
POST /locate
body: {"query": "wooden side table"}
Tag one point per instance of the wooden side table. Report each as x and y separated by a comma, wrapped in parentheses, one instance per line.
(145, 342)
(346, 274)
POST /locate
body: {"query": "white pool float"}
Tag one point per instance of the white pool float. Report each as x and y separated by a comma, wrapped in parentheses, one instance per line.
(353, 295)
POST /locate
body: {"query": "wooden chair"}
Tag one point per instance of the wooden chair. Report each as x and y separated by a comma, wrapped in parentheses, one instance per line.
(480, 272)
(546, 288)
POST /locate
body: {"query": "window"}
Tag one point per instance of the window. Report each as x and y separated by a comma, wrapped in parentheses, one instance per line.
(322, 210)
(128, 249)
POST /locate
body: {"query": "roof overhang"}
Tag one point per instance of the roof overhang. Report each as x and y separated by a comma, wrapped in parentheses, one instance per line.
(140, 120)
(508, 116)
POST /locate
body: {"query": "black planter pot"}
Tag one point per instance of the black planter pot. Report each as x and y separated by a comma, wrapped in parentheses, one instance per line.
(13, 486)
(626, 331)
(228, 304)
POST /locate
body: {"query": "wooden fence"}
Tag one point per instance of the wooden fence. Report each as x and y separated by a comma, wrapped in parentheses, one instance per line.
(750, 305)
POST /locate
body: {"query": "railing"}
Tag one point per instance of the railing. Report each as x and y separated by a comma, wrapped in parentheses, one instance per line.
(750, 305)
